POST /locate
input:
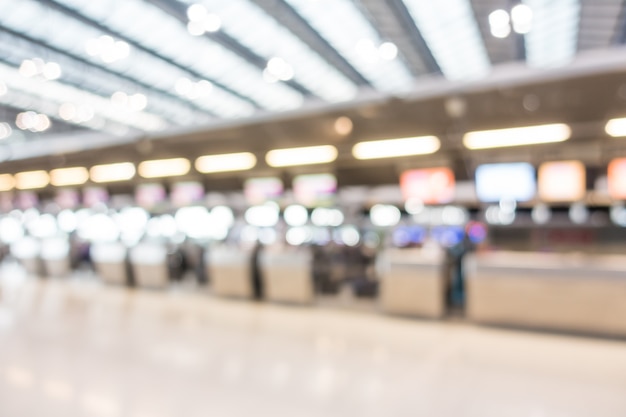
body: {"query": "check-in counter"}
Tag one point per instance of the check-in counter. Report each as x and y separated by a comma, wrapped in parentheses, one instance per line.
(55, 255)
(27, 251)
(149, 264)
(566, 292)
(109, 260)
(412, 282)
(287, 274)
(229, 269)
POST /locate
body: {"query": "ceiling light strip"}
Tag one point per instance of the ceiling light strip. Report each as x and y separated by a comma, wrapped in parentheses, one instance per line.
(518, 136)
(393, 148)
(301, 156)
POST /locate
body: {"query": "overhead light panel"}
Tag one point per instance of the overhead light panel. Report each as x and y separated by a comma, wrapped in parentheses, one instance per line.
(307, 155)
(7, 182)
(69, 176)
(121, 171)
(164, 168)
(226, 162)
(392, 148)
(616, 127)
(31, 179)
(517, 136)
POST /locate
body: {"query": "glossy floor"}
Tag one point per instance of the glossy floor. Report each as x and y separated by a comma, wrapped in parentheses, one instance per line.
(75, 348)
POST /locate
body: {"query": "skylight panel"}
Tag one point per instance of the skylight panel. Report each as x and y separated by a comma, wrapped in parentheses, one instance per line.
(453, 37)
(270, 39)
(552, 40)
(201, 54)
(354, 37)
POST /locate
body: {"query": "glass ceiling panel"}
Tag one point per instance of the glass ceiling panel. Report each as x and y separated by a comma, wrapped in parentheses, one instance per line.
(453, 37)
(49, 95)
(138, 65)
(552, 40)
(269, 39)
(97, 81)
(343, 25)
(137, 21)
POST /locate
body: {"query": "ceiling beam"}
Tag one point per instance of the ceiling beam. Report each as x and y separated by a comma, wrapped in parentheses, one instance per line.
(289, 18)
(419, 44)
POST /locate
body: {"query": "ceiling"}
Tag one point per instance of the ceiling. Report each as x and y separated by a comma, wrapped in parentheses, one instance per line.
(395, 68)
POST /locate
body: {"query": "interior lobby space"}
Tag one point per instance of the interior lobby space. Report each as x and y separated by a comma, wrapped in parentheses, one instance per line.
(311, 208)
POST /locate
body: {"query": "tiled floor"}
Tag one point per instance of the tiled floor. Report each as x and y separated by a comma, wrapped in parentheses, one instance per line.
(75, 348)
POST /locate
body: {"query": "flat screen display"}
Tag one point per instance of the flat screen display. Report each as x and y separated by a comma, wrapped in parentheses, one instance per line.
(149, 195)
(186, 193)
(314, 189)
(95, 195)
(562, 181)
(260, 190)
(509, 181)
(67, 198)
(431, 186)
(617, 179)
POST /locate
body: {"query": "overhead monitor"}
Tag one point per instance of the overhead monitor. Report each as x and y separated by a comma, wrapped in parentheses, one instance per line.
(617, 179)
(27, 199)
(149, 196)
(186, 193)
(67, 198)
(314, 189)
(430, 186)
(95, 195)
(507, 181)
(562, 181)
(260, 190)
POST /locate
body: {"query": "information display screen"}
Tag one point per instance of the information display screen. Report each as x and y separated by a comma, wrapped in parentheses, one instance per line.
(186, 193)
(431, 186)
(67, 198)
(562, 181)
(260, 190)
(617, 179)
(149, 195)
(315, 189)
(95, 195)
(509, 181)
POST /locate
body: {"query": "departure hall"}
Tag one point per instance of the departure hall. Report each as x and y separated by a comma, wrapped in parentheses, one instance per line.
(312, 208)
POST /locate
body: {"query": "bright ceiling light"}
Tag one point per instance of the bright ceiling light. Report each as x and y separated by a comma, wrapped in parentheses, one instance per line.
(7, 182)
(69, 176)
(278, 69)
(500, 23)
(388, 51)
(517, 136)
(226, 162)
(51, 71)
(392, 148)
(3, 88)
(31, 179)
(197, 12)
(522, 17)
(164, 168)
(616, 127)
(121, 171)
(301, 156)
(5, 130)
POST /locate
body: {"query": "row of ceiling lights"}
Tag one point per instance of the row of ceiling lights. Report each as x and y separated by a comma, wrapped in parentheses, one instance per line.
(308, 155)
(519, 19)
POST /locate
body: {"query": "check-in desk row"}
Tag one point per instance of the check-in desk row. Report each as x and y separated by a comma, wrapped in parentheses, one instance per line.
(564, 292)
(283, 275)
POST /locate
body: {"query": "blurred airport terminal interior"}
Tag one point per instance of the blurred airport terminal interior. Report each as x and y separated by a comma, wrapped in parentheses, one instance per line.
(312, 207)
